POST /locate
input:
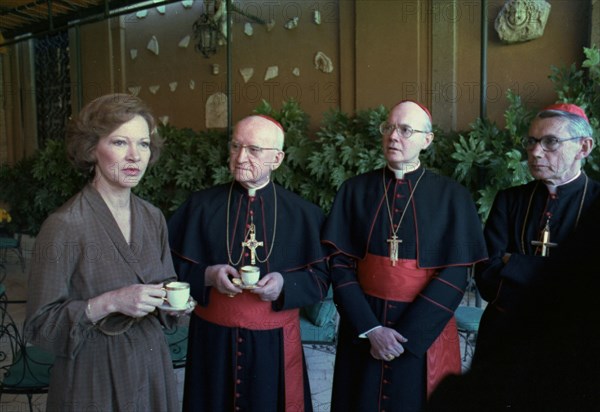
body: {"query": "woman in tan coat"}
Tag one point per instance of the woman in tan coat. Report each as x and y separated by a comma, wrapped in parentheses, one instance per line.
(97, 273)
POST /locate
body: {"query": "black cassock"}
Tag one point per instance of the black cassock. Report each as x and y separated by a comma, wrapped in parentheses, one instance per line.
(441, 236)
(244, 353)
(518, 217)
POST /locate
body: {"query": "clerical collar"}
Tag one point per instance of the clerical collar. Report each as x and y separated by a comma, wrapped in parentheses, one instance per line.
(399, 173)
(252, 190)
(552, 189)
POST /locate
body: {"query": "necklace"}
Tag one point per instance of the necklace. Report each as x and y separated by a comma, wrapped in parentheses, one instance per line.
(393, 240)
(546, 232)
(250, 241)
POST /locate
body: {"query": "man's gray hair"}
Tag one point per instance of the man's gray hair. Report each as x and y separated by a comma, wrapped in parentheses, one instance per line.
(577, 125)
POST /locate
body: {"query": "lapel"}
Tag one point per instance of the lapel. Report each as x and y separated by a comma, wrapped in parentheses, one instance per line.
(101, 213)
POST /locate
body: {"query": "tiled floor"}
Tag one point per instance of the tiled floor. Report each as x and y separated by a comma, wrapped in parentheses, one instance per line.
(319, 358)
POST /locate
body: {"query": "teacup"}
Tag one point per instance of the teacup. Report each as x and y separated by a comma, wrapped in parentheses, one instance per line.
(178, 294)
(250, 275)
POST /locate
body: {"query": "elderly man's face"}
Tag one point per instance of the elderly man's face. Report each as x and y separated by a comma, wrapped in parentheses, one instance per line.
(254, 152)
(403, 152)
(560, 166)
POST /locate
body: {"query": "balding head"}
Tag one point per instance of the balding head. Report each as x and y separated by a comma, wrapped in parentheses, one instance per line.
(256, 150)
(266, 126)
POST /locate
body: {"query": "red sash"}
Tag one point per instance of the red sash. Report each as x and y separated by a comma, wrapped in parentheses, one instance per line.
(402, 283)
(247, 311)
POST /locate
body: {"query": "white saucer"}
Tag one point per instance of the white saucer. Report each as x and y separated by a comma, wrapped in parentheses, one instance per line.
(238, 283)
(167, 307)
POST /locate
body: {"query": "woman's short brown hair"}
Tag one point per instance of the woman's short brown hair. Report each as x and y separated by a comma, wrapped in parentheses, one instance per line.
(101, 117)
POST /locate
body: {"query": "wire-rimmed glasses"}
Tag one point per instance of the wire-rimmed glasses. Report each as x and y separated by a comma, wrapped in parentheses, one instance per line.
(403, 130)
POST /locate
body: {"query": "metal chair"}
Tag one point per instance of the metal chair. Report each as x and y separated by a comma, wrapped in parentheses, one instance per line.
(12, 243)
(24, 369)
(468, 317)
(177, 339)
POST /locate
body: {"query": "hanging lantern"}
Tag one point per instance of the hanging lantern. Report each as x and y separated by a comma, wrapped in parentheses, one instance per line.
(205, 33)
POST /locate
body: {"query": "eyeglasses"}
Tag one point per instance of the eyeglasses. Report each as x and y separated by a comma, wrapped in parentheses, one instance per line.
(403, 130)
(253, 150)
(548, 143)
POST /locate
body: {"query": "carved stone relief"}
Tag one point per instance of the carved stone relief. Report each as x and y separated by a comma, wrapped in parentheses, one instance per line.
(216, 110)
(247, 73)
(185, 42)
(292, 23)
(153, 45)
(323, 63)
(522, 20)
(272, 72)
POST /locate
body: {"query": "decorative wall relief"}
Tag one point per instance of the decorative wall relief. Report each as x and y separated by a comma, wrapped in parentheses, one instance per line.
(134, 90)
(248, 29)
(317, 17)
(173, 86)
(220, 19)
(296, 71)
(187, 4)
(192, 84)
(141, 14)
(292, 23)
(323, 63)
(154, 89)
(216, 110)
(164, 120)
(270, 25)
(522, 20)
(153, 45)
(247, 73)
(216, 69)
(133, 53)
(161, 9)
(185, 42)
(272, 72)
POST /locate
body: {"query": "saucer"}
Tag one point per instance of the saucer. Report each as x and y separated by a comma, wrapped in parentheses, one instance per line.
(238, 283)
(169, 308)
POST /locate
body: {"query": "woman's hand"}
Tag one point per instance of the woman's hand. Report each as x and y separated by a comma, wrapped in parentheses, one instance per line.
(135, 300)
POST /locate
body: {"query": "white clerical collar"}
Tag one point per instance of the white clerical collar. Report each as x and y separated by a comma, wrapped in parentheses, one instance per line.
(399, 173)
(553, 188)
(252, 190)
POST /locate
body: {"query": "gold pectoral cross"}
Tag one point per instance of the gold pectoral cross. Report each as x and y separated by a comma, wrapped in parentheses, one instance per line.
(394, 241)
(251, 243)
(545, 242)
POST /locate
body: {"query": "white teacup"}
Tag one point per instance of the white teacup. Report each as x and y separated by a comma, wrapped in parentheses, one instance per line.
(250, 275)
(178, 294)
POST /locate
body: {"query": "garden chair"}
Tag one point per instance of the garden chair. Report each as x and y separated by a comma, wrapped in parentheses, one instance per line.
(24, 368)
(11, 243)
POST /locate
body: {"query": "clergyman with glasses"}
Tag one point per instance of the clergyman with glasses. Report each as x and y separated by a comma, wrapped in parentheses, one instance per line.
(245, 350)
(401, 239)
(528, 223)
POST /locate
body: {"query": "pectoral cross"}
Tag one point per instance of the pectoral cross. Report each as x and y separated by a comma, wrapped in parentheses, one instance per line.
(251, 243)
(545, 243)
(394, 241)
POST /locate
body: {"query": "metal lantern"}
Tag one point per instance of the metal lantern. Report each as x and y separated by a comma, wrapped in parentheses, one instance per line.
(205, 33)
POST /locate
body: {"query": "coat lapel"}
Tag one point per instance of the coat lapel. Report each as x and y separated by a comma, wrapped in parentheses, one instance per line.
(129, 253)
